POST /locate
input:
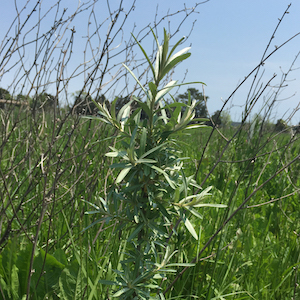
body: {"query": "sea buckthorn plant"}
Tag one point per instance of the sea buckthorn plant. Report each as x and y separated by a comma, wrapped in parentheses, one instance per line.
(151, 196)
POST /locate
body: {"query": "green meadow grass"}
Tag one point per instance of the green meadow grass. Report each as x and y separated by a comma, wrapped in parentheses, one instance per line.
(50, 170)
(256, 255)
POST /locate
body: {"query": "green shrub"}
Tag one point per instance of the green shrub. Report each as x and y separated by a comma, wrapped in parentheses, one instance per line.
(151, 191)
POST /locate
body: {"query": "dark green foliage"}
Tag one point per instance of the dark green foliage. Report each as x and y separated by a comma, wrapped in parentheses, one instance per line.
(297, 128)
(69, 283)
(4, 95)
(42, 101)
(216, 119)
(15, 268)
(200, 110)
(47, 271)
(281, 125)
(84, 105)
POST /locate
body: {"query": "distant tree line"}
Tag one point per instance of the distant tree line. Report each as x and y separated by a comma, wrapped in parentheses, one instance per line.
(39, 101)
(84, 105)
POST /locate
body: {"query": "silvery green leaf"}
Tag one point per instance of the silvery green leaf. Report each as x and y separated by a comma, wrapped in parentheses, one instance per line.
(92, 212)
(165, 90)
(112, 154)
(171, 183)
(92, 204)
(210, 205)
(125, 115)
(190, 228)
(173, 63)
(194, 126)
(194, 212)
(181, 265)
(123, 174)
(117, 154)
(167, 270)
(152, 150)
(120, 292)
(184, 50)
(145, 160)
(157, 66)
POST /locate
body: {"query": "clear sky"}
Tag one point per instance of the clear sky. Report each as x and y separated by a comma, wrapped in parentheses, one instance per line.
(228, 41)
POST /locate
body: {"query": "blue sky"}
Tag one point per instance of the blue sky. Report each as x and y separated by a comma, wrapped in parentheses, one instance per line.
(228, 41)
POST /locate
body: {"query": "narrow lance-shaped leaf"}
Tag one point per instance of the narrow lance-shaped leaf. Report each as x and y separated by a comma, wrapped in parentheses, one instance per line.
(153, 90)
(119, 165)
(138, 82)
(133, 136)
(120, 292)
(146, 56)
(171, 183)
(135, 232)
(174, 47)
(145, 160)
(190, 228)
(194, 212)
(173, 63)
(117, 153)
(181, 265)
(113, 108)
(131, 155)
(107, 118)
(123, 174)
(165, 47)
(143, 141)
(194, 126)
(153, 150)
(123, 115)
(200, 197)
(98, 119)
(163, 113)
(156, 66)
(210, 205)
(108, 282)
(179, 53)
(165, 90)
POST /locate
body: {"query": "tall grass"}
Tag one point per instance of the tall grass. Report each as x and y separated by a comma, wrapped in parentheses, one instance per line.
(256, 255)
(44, 180)
(47, 168)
